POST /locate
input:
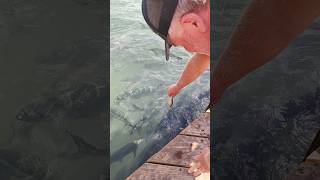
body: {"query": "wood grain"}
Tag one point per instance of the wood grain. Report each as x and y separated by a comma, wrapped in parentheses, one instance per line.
(178, 151)
(199, 127)
(149, 171)
(173, 160)
(315, 155)
(307, 170)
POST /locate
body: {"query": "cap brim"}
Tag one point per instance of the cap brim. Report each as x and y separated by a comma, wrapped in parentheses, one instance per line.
(167, 49)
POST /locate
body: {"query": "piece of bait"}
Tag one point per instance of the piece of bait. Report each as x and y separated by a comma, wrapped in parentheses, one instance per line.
(170, 101)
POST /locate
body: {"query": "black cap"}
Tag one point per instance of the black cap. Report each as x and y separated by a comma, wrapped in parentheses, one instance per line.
(158, 15)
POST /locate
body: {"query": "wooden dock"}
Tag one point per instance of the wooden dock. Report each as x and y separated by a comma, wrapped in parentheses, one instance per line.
(307, 170)
(172, 161)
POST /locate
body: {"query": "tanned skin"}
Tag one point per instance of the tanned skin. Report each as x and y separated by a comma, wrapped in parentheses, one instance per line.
(194, 68)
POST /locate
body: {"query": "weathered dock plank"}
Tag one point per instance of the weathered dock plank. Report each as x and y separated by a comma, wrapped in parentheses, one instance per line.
(173, 160)
(314, 156)
(149, 171)
(307, 170)
(199, 127)
(178, 151)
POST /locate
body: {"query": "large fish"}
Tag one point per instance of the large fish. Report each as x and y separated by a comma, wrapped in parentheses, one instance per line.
(84, 147)
(124, 151)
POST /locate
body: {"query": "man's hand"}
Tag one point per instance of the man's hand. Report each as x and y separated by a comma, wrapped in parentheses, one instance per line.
(195, 67)
(173, 90)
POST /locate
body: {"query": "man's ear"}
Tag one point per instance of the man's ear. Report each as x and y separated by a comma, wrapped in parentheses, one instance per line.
(193, 21)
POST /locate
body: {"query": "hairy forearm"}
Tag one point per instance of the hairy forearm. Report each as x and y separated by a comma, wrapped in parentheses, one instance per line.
(195, 67)
(265, 29)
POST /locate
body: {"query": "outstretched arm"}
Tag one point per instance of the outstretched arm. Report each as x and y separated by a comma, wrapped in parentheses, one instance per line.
(195, 67)
(265, 29)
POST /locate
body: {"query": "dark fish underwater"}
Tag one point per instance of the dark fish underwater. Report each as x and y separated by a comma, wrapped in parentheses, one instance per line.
(119, 154)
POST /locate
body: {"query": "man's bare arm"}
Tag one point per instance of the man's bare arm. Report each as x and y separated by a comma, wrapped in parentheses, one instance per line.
(195, 67)
(265, 29)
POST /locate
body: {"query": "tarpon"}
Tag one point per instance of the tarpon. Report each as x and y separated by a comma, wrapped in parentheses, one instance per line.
(84, 147)
(119, 154)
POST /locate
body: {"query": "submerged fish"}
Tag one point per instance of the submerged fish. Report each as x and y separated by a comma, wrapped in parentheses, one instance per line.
(125, 150)
(84, 147)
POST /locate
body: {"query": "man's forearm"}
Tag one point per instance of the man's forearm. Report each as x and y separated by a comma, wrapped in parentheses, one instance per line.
(266, 28)
(195, 67)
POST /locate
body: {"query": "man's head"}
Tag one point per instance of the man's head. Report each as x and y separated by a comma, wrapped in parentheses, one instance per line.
(190, 26)
(183, 23)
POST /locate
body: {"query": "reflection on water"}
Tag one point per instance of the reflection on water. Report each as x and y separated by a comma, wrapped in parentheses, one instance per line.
(141, 121)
